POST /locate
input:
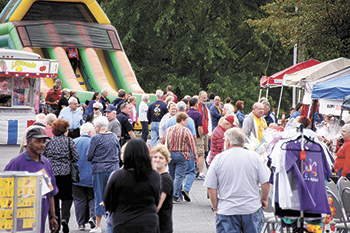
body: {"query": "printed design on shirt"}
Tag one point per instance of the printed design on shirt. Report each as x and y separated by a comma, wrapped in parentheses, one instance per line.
(157, 110)
(130, 121)
(310, 171)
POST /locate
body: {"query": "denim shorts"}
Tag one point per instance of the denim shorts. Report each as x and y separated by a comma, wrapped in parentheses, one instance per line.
(247, 223)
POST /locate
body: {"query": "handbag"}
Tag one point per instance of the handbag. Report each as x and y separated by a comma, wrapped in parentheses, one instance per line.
(74, 168)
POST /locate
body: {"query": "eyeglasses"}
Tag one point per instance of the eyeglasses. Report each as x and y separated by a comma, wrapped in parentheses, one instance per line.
(95, 108)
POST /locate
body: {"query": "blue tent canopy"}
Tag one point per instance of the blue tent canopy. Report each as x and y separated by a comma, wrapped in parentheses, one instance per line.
(334, 89)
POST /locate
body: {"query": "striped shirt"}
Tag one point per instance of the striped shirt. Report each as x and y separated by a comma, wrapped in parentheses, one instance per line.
(217, 142)
(180, 139)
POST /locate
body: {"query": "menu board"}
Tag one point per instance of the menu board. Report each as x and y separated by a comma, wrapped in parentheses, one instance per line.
(18, 204)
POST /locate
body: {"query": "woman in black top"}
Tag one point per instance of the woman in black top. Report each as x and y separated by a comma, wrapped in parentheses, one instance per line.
(133, 192)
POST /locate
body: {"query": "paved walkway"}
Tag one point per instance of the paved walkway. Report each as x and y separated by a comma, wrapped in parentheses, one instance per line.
(195, 216)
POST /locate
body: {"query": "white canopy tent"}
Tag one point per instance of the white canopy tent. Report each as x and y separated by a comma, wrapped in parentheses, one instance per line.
(298, 79)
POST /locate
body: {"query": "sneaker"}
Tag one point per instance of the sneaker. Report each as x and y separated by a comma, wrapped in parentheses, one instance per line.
(81, 228)
(186, 195)
(92, 223)
(96, 230)
(65, 227)
(177, 200)
(201, 177)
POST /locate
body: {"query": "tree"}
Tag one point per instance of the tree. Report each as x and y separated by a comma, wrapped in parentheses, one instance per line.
(196, 45)
(321, 27)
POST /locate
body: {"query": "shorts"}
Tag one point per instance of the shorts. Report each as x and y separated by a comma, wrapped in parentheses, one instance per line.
(200, 147)
(205, 142)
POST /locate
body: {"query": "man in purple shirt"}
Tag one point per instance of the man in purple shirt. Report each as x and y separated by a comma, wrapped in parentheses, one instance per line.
(32, 161)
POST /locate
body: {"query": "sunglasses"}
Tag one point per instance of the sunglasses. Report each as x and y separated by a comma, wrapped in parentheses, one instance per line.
(95, 108)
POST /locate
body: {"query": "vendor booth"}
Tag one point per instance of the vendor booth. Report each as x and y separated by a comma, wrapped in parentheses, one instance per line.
(20, 74)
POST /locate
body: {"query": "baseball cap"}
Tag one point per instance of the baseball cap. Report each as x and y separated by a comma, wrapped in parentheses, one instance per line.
(230, 119)
(37, 132)
(111, 108)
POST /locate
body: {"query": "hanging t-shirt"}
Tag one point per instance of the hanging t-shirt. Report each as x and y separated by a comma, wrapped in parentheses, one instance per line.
(315, 172)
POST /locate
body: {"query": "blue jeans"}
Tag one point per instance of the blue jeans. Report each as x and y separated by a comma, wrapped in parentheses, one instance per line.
(145, 130)
(190, 176)
(177, 169)
(99, 182)
(154, 133)
(246, 223)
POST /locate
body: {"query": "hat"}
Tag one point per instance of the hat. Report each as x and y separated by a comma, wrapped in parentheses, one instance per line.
(111, 108)
(37, 132)
(230, 119)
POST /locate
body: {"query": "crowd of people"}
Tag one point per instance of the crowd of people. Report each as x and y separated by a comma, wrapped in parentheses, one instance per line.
(136, 183)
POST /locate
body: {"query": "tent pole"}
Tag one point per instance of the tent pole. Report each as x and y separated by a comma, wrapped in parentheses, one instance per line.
(279, 102)
(267, 92)
(260, 94)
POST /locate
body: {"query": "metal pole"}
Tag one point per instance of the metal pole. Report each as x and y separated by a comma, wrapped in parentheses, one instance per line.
(295, 54)
(279, 102)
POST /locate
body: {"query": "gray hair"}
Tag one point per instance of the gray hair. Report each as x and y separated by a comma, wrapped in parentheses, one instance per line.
(347, 127)
(145, 97)
(159, 93)
(50, 118)
(200, 93)
(263, 100)
(101, 121)
(86, 128)
(65, 92)
(181, 106)
(229, 109)
(41, 118)
(235, 136)
(104, 91)
(267, 104)
(97, 105)
(71, 100)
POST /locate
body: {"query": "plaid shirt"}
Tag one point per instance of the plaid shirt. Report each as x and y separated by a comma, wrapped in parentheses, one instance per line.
(217, 142)
(180, 139)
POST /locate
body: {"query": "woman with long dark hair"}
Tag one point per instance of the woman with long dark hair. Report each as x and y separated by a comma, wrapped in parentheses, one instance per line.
(132, 193)
(95, 99)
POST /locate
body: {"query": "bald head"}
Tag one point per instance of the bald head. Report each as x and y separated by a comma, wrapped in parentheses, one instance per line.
(258, 110)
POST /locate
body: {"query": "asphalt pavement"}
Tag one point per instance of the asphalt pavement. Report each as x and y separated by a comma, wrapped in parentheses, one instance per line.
(195, 216)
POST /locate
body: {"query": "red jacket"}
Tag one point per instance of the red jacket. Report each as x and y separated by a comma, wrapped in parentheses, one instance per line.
(205, 117)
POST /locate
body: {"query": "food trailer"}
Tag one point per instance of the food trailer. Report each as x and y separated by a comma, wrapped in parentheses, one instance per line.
(20, 74)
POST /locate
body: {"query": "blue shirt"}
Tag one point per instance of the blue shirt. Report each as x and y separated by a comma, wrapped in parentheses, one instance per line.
(24, 162)
(294, 115)
(75, 118)
(215, 116)
(82, 143)
(156, 111)
(240, 115)
(104, 153)
(270, 118)
(190, 124)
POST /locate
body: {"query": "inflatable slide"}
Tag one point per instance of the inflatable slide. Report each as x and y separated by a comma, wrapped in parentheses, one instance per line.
(51, 27)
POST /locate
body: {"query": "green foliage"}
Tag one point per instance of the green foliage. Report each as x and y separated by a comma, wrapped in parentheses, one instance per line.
(3, 4)
(197, 45)
(320, 26)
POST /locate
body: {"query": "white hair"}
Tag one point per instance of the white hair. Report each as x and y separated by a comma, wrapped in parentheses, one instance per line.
(145, 97)
(86, 128)
(50, 118)
(229, 109)
(97, 105)
(71, 100)
(347, 127)
(181, 106)
(41, 118)
(103, 91)
(159, 94)
(236, 136)
(101, 121)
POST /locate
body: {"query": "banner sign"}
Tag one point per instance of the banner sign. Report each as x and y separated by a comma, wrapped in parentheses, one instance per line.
(28, 68)
(330, 106)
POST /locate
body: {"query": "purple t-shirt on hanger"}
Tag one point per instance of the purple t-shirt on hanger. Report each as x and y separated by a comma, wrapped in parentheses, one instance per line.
(315, 173)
